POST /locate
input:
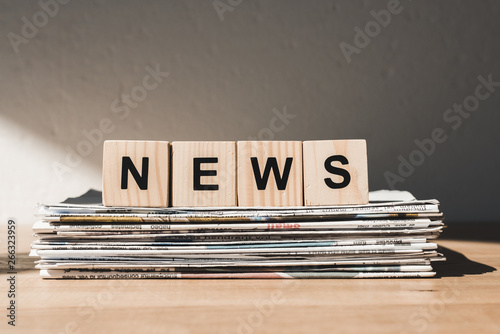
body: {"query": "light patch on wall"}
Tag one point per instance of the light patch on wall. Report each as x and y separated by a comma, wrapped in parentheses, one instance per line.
(26, 173)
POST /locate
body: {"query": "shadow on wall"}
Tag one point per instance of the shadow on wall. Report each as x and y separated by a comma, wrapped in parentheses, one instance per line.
(473, 231)
(88, 66)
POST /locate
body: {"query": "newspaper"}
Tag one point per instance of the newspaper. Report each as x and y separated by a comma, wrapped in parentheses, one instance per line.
(80, 214)
(48, 227)
(75, 274)
(82, 239)
(222, 245)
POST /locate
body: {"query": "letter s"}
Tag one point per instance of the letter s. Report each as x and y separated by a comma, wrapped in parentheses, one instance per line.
(337, 171)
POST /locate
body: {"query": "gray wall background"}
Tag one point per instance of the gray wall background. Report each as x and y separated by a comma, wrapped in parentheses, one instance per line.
(227, 76)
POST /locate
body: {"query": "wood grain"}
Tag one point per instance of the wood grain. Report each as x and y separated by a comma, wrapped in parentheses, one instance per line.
(249, 194)
(183, 192)
(465, 300)
(157, 192)
(316, 190)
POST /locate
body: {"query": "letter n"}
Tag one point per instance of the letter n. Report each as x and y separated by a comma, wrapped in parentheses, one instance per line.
(141, 180)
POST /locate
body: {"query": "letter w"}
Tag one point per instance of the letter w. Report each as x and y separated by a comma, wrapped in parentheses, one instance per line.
(271, 163)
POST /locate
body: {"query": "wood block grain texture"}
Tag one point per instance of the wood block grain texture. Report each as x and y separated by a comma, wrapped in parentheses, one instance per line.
(136, 173)
(269, 173)
(325, 179)
(204, 174)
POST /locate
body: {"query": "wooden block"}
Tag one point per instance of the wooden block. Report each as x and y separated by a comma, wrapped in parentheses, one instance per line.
(269, 173)
(204, 173)
(135, 173)
(335, 172)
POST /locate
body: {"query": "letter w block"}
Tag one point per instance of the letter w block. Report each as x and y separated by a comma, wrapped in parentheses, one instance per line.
(135, 173)
(269, 173)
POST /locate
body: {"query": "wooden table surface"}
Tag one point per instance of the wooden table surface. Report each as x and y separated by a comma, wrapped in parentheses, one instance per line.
(466, 298)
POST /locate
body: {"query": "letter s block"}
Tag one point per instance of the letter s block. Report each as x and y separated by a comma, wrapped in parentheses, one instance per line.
(204, 173)
(135, 173)
(269, 173)
(335, 172)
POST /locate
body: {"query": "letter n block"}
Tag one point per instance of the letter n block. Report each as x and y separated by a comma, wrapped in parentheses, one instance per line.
(135, 173)
(204, 173)
(335, 172)
(269, 173)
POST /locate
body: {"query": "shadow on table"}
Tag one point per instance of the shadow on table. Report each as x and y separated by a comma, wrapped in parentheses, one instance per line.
(458, 265)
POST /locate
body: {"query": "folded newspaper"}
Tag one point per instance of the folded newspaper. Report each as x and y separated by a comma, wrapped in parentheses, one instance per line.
(390, 237)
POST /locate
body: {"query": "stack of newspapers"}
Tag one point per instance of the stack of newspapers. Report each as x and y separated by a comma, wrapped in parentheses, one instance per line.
(390, 237)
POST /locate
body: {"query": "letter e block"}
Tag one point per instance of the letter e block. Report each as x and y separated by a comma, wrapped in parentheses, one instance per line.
(204, 174)
(269, 173)
(335, 172)
(135, 173)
